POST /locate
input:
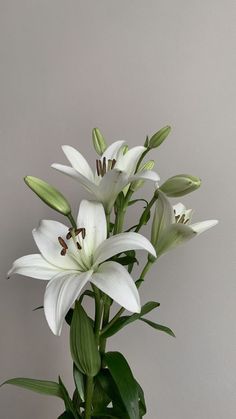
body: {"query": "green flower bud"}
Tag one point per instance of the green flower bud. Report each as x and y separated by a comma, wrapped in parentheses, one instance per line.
(157, 139)
(139, 183)
(84, 350)
(99, 142)
(50, 195)
(180, 185)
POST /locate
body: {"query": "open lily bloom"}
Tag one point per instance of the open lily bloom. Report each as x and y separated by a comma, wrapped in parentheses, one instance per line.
(114, 171)
(71, 258)
(172, 225)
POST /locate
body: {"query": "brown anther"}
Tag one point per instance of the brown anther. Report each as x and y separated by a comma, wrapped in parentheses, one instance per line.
(83, 232)
(109, 164)
(100, 168)
(78, 245)
(181, 219)
(104, 166)
(113, 163)
(63, 252)
(68, 236)
(62, 243)
(97, 167)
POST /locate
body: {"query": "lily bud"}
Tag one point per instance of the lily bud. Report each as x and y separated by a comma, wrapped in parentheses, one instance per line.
(50, 195)
(180, 185)
(157, 139)
(84, 350)
(139, 183)
(99, 142)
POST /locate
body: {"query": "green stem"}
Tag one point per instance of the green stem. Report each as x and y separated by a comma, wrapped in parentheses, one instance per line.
(89, 397)
(98, 312)
(108, 224)
(145, 271)
(141, 159)
(72, 220)
(146, 211)
(103, 341)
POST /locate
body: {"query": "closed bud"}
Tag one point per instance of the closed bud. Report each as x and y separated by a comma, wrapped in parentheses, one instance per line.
(99, 142)
(139, 183)
(50, 195)
(83, 346)
(180, 185)
(157, 139)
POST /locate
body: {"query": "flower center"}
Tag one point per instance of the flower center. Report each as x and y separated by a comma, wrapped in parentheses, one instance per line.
(72, 233)
(104, 165)
(181, 218)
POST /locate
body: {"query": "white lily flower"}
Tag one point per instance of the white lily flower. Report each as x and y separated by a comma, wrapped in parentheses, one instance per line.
(172, 225)
(114, 171)
(69, 259)
(184, 216)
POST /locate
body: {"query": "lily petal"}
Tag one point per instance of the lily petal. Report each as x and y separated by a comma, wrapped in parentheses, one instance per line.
(34, 266)
(85, 182)
(179, 209)
(61, 292)
(146, 175)
(203, 226)
(78, 162)
(46, 238)
(112, 150)
(129, 160)
(110, 186)
(113, 279)
(121, 243)
(92, 217)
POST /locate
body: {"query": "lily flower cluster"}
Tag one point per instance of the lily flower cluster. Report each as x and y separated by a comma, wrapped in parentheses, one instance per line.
(93, 255)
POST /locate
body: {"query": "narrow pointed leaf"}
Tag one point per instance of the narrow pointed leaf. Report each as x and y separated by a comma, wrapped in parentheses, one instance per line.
(159, 327)
(125, 320)
(49, 388)
(125, 382)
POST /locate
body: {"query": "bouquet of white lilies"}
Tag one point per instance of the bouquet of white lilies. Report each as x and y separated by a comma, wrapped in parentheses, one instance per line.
(92, 256)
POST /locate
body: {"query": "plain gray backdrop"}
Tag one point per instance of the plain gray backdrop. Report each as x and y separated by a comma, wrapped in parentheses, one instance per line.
(128, 67)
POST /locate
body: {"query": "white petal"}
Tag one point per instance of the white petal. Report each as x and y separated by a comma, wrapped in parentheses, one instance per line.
(92, 217)
(145, 175)
(113, 279)
(203, 226)
(34, 266)
(46, 238)
(121, 243)
(179, 209)
(85, 182)
(110, 186)
(112, 150)
(78, 162)
(128, 161)
(61, 292)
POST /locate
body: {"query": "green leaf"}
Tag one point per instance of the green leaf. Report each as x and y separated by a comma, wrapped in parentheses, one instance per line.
(83, 345)
(125, 382)
(67, 400)
(49, 388)
(125, 320)
(79, 382)
(66, 415)
(134, 201)
(159, 327)
(126, 260)
(38, 308)
(142, 403)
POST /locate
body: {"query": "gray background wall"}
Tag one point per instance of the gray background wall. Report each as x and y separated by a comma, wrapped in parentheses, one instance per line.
(129, 67)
